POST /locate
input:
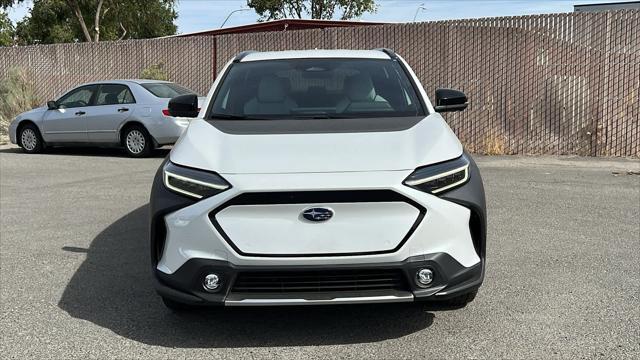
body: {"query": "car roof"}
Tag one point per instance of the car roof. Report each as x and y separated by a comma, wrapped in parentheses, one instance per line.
(310, 54)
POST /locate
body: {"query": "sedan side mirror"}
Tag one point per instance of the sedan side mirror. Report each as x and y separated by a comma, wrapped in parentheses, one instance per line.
(184, 106)
(52, 105)
(450, 100)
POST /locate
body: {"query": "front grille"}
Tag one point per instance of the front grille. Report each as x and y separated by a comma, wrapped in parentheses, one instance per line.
(319, 281)
(311, 198)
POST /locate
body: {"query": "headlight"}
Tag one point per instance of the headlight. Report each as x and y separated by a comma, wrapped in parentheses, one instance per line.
(440, 177)
(194, 183)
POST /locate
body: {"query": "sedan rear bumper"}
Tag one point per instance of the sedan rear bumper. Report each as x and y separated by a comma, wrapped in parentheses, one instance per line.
(167, 130)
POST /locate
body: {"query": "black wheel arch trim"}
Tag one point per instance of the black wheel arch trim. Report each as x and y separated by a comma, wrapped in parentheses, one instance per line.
(472, 196)
(162, 201)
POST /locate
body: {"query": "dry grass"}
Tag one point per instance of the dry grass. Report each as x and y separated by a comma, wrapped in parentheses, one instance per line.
(494, 144)
(17, 95)
(4, 134)
(155, 72)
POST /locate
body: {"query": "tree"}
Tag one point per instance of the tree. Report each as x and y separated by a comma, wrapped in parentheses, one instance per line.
(316, 9)
(7, 3)
(53, 21)
(7, 32)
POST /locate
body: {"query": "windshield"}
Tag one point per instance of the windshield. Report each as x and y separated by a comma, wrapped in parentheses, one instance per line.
(166, 90)
(315, 88)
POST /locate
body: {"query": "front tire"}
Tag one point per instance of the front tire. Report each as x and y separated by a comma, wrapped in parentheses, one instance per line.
(30, 140)
(137, 141)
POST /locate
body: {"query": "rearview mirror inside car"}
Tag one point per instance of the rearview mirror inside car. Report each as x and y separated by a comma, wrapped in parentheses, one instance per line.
(52, 105)
(450, 100)
(184, 106)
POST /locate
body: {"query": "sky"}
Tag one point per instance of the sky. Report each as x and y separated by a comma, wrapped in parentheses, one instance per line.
(196, 15)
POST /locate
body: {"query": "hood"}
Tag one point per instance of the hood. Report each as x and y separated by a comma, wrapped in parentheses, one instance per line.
(30, 114)
(428, 140)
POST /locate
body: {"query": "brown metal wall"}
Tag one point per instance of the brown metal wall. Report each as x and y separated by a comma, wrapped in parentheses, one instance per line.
(547, 84)
(57, 68)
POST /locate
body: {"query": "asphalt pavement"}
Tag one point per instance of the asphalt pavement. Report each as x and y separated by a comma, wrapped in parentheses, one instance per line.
(563, 275)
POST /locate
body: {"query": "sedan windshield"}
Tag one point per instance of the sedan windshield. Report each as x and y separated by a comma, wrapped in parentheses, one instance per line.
(315, 88)
(166, 90)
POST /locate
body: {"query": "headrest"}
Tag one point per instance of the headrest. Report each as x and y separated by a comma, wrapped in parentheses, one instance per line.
(111, 99)
(360, 88)
(271, 89)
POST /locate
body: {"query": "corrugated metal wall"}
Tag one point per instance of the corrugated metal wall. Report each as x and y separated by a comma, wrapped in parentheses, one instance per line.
(548, 84)
(57, 68)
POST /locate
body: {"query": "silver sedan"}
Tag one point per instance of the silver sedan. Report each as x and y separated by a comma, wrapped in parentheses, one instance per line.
(128, 113)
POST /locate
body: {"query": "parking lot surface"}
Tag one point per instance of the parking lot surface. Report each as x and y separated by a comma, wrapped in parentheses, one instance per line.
(563, 275)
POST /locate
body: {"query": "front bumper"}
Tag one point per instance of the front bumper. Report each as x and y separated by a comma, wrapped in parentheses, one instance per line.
(12, 130)
(450, 280)
(185, 244)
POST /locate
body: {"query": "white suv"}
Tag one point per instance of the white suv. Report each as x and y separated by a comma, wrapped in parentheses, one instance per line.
(317, 177)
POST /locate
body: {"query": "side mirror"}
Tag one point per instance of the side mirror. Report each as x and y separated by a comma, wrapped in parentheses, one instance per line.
(184, 106)
(450, 100)
(52, 105)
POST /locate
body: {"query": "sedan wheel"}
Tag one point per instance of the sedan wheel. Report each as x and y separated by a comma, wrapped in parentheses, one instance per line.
(137, 141)
(30, 139)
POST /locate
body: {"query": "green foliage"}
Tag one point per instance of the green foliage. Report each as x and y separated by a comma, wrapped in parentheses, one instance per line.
(154, 72)
(6, 3)
(17, 95)
(7, 32)
(316, 9)
(54, 21)
(47, 23)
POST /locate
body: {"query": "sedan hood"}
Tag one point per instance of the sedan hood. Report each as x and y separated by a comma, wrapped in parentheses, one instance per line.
(30, 114)
(306, 148)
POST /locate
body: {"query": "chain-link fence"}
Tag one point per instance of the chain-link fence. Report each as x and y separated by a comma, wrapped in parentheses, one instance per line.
(547, 84)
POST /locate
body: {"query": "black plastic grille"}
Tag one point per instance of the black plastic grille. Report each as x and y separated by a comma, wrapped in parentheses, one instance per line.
(319, 281)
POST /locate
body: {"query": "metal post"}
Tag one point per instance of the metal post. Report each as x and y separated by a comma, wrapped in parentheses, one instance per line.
(231, 13)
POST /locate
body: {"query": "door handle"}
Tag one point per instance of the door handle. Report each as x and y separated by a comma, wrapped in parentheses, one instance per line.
(80, 113)
(123, 109)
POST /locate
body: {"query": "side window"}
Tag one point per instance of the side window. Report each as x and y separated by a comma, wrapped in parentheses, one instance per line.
(77, 98)
(113, 94)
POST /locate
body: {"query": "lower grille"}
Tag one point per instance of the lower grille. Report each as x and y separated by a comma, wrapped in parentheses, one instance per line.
(319, 281)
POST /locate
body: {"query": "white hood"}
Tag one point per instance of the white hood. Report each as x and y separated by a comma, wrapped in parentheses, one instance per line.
(205, 147)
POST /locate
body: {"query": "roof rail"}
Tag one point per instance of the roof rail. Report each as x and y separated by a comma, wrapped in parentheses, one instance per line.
(241, 55)
(392, 54)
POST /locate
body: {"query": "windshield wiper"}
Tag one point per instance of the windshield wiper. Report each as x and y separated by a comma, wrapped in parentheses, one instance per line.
(232, 117)
(320, 116)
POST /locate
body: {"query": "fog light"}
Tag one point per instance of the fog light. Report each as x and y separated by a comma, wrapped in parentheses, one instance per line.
(424, 277)
(211, 282)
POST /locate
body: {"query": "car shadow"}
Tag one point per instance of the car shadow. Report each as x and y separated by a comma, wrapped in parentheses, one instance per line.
(113, 289)
(88, 151)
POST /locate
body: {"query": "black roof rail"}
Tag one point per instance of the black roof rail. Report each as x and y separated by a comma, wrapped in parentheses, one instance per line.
(392, 54)
(241, 55)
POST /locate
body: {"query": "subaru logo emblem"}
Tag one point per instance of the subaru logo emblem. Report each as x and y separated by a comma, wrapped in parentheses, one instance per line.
(317, 214)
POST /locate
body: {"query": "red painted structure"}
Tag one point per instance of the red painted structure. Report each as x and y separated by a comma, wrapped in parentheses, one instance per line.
(280, 25)
(276, 25)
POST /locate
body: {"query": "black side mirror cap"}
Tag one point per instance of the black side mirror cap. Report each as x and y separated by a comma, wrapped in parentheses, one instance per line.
(184, 106)
(52, 105)
(450, 100)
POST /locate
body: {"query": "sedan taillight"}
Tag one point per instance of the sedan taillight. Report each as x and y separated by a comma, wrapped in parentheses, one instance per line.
(165, 112)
